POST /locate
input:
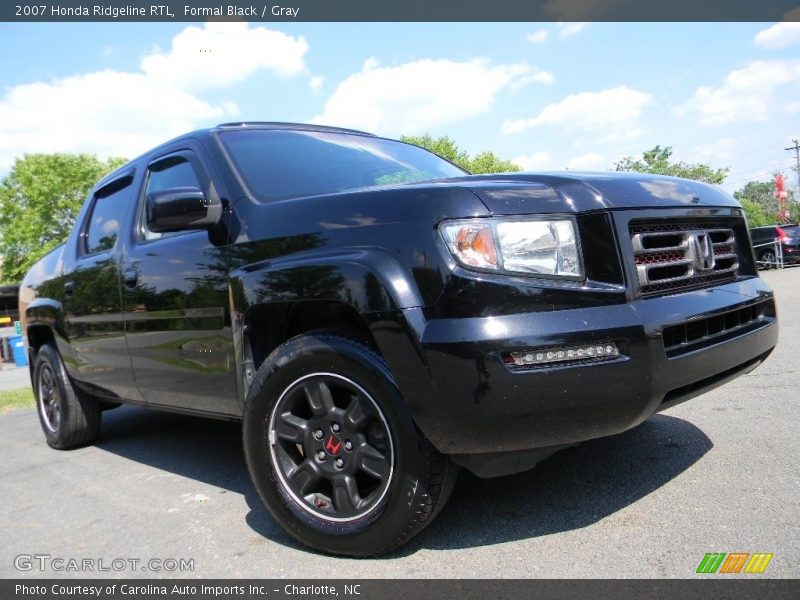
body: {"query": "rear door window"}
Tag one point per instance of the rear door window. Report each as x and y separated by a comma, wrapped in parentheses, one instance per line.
(108, 211)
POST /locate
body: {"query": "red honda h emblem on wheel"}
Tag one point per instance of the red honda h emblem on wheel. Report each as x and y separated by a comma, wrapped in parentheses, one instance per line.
(333, 445)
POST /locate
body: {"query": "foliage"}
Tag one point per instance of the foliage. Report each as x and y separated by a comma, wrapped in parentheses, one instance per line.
(759, 202)
(39, 201)
(761, 192)
(756, 215)
(483, 162)
(657, 161)
(20, 398)
(404, 176)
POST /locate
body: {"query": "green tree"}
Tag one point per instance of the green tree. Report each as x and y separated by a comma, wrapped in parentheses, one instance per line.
(762, 192)
(762, 207)
(484, 162)
(756, 215)
(759, 202)
(657, 161)
(39, 201)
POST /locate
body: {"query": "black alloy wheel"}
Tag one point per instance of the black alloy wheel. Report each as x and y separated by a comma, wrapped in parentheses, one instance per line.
(331, 448)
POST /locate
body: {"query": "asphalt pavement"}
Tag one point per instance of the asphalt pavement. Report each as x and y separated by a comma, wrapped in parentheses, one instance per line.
(716, 474)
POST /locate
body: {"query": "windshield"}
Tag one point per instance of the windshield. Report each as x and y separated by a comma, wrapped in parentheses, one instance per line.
(277, 164)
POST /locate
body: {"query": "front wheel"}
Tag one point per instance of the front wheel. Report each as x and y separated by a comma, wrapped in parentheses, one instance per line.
(68, 418)
(334, 453)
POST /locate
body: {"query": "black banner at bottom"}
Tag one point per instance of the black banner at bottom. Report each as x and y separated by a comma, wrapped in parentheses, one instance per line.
(705, 588)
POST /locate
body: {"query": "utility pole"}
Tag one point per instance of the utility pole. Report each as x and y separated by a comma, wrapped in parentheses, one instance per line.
(796, 149)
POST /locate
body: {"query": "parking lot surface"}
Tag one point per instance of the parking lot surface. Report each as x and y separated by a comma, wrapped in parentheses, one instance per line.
(716, 474)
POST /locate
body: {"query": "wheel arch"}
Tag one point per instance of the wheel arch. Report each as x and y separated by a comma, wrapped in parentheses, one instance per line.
(44, 324)
(354, 292)
(266, 326)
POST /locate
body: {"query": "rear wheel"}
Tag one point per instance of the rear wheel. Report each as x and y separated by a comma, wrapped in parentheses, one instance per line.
(68, 419)
(334, 453)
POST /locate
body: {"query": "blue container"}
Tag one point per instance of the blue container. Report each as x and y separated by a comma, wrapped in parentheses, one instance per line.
(18, 348)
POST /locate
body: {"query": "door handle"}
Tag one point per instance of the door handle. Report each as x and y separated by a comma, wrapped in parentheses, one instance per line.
(69, 287)
(131, 277)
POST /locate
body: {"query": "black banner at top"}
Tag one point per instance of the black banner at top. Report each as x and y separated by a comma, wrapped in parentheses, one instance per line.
(398, 10)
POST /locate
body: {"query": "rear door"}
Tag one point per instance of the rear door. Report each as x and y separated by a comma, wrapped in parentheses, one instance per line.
(94, 320)
(762, 235)
(175, 291)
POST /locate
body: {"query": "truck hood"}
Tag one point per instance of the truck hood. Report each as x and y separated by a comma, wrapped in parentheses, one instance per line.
(522, 193)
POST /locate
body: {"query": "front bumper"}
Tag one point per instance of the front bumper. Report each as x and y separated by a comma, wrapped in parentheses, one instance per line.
(482, 406)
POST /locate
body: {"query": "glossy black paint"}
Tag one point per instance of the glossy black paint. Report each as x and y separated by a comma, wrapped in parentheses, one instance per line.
(483, 406)
(175, 297)
(85, 297)
(181, 209)
(195, 311)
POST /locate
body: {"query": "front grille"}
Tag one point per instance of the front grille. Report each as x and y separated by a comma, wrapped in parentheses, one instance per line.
(676, 256)
(701, 333)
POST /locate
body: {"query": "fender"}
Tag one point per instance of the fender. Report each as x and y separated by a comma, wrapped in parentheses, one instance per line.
(367, 279)
(37, 306)
(46, 313)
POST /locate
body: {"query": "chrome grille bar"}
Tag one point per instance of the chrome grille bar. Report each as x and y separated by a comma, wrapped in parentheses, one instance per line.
(670, 257)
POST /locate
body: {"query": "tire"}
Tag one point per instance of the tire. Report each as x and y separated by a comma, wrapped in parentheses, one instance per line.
(68, 419)
(391, 482)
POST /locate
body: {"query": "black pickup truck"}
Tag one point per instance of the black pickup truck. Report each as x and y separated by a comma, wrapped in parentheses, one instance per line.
(377, 318)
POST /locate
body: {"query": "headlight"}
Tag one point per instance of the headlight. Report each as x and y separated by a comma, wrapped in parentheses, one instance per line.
(541, 246)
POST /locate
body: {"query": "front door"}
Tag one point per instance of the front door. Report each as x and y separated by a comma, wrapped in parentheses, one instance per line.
(175, 292)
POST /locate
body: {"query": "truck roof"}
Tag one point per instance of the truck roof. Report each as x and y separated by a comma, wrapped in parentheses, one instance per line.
(200, 133)
(282, 125)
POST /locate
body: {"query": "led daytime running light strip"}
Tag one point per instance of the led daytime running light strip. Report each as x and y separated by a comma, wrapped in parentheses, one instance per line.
(543, 356)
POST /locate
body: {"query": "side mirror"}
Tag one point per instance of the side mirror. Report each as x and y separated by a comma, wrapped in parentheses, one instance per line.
(180, 209)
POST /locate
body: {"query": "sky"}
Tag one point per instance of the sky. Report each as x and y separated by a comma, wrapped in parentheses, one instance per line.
(548, 96)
